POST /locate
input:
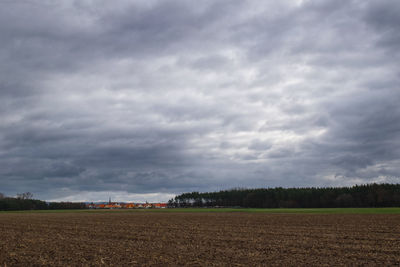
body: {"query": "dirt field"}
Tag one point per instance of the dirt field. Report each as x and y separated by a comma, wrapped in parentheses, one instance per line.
(197, 239)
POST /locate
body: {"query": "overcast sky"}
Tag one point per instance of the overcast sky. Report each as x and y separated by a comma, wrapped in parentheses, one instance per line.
(142, 100)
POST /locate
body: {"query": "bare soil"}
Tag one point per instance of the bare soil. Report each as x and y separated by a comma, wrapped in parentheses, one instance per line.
(198, 239)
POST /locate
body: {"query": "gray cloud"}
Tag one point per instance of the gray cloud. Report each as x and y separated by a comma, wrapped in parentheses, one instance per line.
(154, 98)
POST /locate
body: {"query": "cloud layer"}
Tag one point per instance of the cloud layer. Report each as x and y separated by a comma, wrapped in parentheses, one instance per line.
(154, 98)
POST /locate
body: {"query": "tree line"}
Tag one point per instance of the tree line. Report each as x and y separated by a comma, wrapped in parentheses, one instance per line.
(368, 195)
(25, 201)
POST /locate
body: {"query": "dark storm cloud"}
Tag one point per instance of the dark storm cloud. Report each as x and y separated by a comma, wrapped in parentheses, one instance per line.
(152, 98)
(382, 17)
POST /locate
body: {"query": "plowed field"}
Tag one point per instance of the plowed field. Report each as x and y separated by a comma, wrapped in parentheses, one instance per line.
(197, 239)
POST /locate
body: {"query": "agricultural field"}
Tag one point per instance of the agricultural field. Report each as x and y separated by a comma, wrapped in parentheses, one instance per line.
(171, 238)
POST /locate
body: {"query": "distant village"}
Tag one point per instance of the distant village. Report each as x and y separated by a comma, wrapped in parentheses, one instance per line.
(125, 205)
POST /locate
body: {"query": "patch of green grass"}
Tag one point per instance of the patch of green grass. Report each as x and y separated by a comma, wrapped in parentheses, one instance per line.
(196, 210)
(45, 211)
(297, 210)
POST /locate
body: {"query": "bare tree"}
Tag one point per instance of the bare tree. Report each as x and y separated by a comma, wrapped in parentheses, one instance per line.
(26, 195)
(1, 195)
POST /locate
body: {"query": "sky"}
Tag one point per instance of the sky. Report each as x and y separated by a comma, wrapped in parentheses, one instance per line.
(143, 100)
